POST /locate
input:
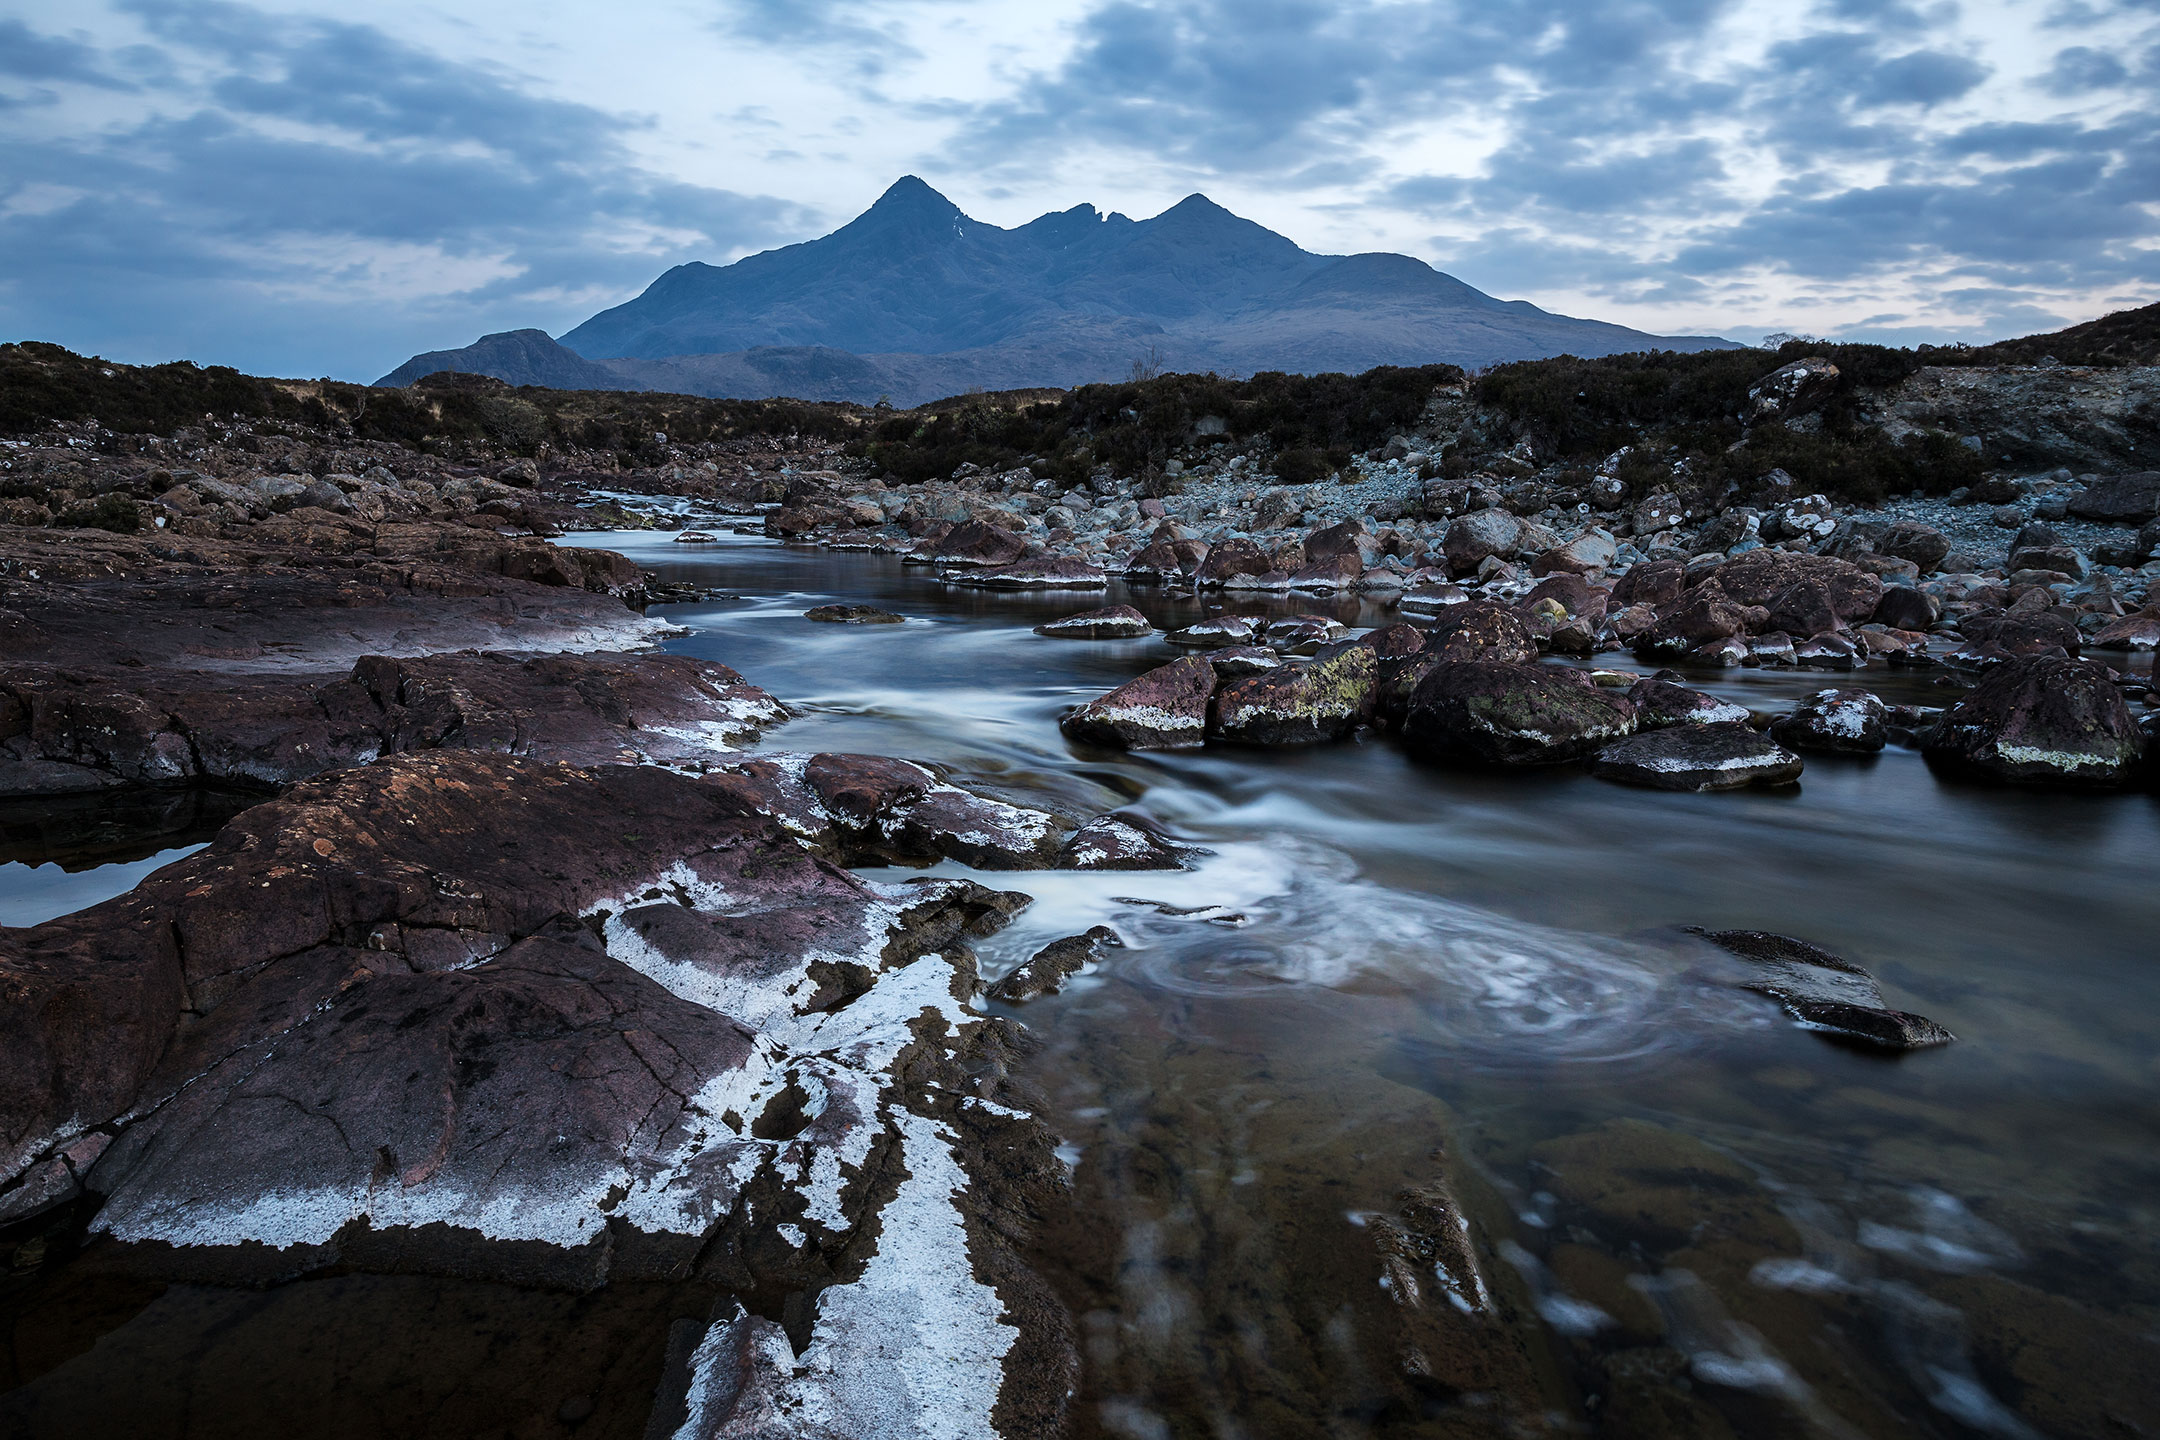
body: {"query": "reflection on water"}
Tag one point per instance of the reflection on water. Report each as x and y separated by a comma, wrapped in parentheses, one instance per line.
(1386, 981)
(62, 854)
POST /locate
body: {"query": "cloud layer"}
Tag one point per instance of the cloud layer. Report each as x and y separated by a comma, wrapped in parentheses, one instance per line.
(306, 194)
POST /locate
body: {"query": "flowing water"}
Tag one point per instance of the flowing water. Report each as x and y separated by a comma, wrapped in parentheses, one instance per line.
(1698, 1219)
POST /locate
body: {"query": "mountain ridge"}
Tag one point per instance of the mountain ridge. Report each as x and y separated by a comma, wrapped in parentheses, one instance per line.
(918, 294)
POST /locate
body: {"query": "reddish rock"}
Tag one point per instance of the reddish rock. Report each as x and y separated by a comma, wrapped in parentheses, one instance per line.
(1167, 708)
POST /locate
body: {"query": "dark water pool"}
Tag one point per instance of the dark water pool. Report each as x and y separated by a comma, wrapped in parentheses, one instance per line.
(1383, 976)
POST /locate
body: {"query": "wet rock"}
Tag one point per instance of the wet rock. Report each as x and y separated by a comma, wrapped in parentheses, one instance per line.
(1826, 652)
(1804, 609)
(1511, 714)
(1702, 619)
(1651, 582)
(1825, 992)
(1165, 709)
(1045, 972)
(1234, 660)
(2019, 634)
(1724, 755)
(1432, 595)
(1219, 630)
(2138, 631)
(2040, 720)
(1759, 576)
(852, 615)
(1481, 630)
(1121, 840)
(1115, 622)
(1392, 642)
(895, 810)
(1328, 574)
(1904, 608)
(1304, 634)
(1837, 722)
(1323, 699)
(1232, 559)
(1049, 572)
(1472, 539)
(1660, 703)
(2125, 499)
(976, 543)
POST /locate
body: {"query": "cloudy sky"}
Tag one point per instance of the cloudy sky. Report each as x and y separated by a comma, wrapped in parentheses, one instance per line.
(287, 189)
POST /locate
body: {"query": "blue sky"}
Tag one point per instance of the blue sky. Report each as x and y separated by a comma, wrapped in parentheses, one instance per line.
(289, 189)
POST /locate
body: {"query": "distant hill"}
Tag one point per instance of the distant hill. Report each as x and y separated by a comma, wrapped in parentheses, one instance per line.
(913, 300)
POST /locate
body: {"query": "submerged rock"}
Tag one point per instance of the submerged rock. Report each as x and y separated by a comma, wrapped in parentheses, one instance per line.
(1838, 722)
(1323, 699)
(852, 615)
(1114, 622)
(1721, 756)
(1165, 709)
(1046, 970)
(1825, 992)
(2040, 720)
(1496, 713)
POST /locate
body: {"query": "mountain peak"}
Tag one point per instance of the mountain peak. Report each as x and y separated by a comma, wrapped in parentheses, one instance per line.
(911, 195)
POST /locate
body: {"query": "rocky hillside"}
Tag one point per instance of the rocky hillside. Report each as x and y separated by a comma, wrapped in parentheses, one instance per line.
(915, 299)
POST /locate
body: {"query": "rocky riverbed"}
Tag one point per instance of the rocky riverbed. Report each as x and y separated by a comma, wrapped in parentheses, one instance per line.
(986, 1090)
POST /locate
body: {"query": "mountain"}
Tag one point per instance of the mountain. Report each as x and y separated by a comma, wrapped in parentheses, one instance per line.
(914, 299)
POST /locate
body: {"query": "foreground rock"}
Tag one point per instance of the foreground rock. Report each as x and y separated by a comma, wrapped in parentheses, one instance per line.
(461, 1014)
(1824, 992)
(2040, 720)
(1165, 709)
(1494, 713)
(1324, 699)
(1048, 968)
(1726, 755)
(1120, 840)
(1114, 622)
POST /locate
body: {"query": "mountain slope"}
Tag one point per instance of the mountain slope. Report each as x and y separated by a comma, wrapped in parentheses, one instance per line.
(919, 295)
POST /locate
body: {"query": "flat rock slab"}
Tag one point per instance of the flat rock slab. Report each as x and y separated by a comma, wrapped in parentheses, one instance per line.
(465, 1014)
(1114, 622)
(73, 730)
(852, 615)
(1824, 991)
(1721, 756)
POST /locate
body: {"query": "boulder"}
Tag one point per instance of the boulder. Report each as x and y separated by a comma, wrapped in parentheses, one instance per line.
(1167, 708)
(1590, 553)
(1837, 722)
(1650, 582)
(2138, 631)
(1759, 576)
(2040, 720)
(1726, 755)
(1352, 538)
(1924, 545)
(1804, 609)
(1825, 992)
(1660, 703)
(1328, 574)
(2014, 633)
(1904, 608)
(898, 812)
(1304, 634)
(1234, 660)
(2049, 560)
(1704, 618)
(1044, 972)
(974, 542)
(1232, 559)
(1481, 630)
(1219, 630)
(1121, 840)
(1792, 390)
(1048, 572)
(852, 615)
(2125, 499)
(1114, 622)
(1499, 713)
(1472, 539)
(1827, 652)
(1323, 699)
